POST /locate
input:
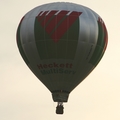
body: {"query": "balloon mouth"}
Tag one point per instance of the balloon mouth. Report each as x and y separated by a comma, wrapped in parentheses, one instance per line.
(60, 96)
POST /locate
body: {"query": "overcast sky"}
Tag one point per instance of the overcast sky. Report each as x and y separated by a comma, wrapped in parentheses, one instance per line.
(24, 97)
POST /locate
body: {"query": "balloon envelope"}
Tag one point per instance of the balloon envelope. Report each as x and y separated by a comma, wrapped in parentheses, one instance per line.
(61, 43)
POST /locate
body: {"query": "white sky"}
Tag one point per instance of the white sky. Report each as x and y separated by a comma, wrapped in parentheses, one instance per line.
(24, 97)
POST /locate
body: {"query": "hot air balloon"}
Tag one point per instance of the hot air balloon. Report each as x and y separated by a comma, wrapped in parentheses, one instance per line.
(61, 43)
